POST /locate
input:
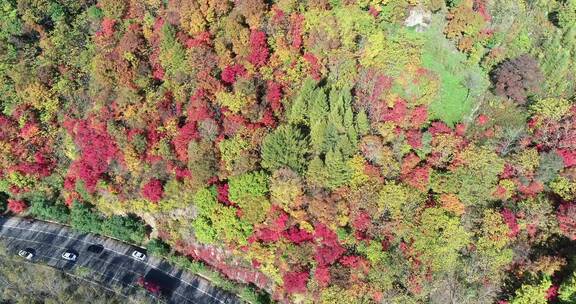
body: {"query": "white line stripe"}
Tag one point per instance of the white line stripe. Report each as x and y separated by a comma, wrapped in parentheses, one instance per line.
(98, 258)
(102, 273)
(80, 278)
(64, 270)
(144, 262)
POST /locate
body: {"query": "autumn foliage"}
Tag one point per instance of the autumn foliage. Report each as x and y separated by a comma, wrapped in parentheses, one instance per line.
(17, 206)
(97, 152)
(324, 151)
(567, 220)
(153, 190)
(518, 78)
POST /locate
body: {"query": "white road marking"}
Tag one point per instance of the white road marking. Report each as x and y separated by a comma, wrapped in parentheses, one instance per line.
(79, 277)
(119, 253)
(65, 270)
(101, 273)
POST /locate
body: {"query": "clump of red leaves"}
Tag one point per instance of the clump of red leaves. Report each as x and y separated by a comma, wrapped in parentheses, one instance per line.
(362, 221)
(107, 27)
(231, 73)
(322, 275)
(568, 156)
(329, 250)
(98, 149)
(296, 30)
(414, 139)
(274, 96)
(552, 293)
(297, 236)
(419, 116)
(295, 282)
(567, 220)
(397, 113)
(17, 206)
(314, 65)
(414, 175)
(198, 109)
(153, 190)
(258, 48)
(222, 194)
(201, 39)
(510, 220)
(41, 167)
(186, 133)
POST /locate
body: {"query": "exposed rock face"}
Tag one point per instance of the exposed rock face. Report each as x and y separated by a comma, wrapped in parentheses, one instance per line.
(419, 18)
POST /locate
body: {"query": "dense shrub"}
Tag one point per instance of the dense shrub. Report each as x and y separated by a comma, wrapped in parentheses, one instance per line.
(158, 247)
(84, 218)
(47, 210)
(518, 78)
(17, 206)
(128, 228)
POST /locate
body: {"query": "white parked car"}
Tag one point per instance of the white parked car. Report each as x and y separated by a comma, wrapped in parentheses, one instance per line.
(69, 256)
(138, 255)
(25, 253)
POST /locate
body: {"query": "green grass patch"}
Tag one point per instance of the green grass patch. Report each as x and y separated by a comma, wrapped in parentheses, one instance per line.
(461, 83)
(453, 101)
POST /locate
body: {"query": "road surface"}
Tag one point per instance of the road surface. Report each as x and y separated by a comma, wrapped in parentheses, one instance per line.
(114, 266)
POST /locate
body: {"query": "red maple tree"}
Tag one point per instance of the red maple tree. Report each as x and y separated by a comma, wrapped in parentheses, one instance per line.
(153, 190)
(17, 206)
(258, 48)
(567, 220)
(295, 282)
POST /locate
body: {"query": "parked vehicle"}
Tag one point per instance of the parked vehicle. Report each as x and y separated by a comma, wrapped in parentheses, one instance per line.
(26, 253)
(138, 255)
(152, 287)
(95, 248)
(69, 256)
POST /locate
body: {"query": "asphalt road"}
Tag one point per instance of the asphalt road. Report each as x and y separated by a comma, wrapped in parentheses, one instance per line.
(114, 266)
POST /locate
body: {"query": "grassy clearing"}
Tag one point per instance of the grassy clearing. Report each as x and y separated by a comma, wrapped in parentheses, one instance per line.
(461, 83)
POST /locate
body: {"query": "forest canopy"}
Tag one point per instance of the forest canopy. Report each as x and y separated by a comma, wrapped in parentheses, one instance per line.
(325, 151)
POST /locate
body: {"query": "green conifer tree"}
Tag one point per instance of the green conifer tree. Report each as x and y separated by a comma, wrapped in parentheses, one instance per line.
(362, 123)
(285, 146)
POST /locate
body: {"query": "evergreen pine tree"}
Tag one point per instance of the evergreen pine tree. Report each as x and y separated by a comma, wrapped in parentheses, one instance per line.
(337, 169)
(316, 174)
(362, 123)
(317, 106)
(285, 146)
(318, 135)
(297, 112)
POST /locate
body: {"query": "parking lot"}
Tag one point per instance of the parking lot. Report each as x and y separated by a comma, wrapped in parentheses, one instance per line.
(111, 262)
